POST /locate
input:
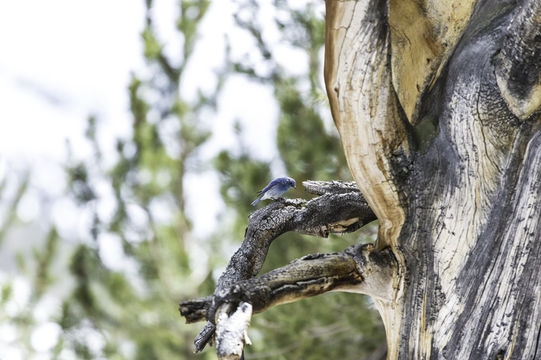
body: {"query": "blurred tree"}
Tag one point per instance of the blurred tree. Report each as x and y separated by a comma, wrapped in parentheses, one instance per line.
(134, 312)
(9, 215)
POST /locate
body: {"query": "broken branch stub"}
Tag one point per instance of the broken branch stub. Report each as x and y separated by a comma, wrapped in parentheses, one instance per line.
(232, 331)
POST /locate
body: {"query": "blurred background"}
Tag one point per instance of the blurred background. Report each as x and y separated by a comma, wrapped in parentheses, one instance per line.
(133, 137)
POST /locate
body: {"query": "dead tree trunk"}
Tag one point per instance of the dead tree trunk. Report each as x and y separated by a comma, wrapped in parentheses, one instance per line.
(438, 108)
(437, 104)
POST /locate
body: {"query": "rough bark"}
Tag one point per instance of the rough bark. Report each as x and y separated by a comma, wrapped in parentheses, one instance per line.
(464, 178)
(359, 269)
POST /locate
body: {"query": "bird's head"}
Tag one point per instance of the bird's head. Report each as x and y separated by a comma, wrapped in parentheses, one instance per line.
(292, 183)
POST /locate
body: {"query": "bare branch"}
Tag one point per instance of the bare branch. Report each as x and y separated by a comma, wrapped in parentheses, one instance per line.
(337, 211)
(360, 269)
(330, 187)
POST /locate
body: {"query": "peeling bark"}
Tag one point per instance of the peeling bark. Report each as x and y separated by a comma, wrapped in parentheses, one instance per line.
(469, 238)
(232, 331)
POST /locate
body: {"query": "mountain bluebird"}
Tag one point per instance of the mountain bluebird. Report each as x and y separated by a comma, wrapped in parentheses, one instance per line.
(275, 188)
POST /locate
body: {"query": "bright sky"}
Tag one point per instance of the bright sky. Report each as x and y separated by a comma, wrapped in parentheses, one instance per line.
(63, 60)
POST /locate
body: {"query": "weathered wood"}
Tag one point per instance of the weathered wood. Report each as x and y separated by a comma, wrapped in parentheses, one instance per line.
(330, 187)
(359, 269)
(340, 209)
(518, 64)
(465, 188)
(232, 331)
(365, 107)
(426, 33)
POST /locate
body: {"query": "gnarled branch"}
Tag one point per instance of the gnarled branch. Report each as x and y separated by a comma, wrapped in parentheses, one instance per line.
(340, 209)
(359, 268)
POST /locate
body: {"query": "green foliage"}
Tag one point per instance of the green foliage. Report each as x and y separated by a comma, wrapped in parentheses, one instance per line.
(307, 150)
(10, 204)
(44, 259)
(241, 178)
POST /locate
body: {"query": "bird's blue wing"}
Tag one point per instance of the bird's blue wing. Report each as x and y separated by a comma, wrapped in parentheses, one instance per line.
(270, 185)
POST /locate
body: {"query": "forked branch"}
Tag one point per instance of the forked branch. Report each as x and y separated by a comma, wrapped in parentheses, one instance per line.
(359, 268)
(340, 208)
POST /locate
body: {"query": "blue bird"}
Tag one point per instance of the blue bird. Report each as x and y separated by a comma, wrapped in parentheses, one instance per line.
(275, 188)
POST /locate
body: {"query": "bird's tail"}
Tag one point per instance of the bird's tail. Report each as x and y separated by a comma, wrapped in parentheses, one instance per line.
(256, 201)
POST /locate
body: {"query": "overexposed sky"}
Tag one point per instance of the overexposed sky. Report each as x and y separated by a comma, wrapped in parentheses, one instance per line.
(63, 60)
